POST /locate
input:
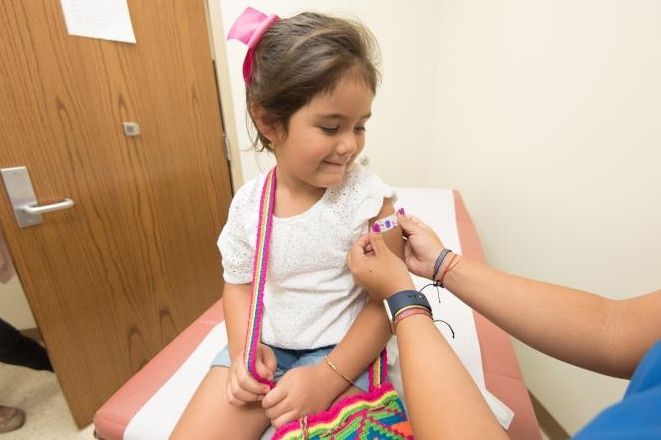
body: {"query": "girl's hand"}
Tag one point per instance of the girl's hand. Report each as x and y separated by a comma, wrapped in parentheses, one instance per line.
(301, 391)
(242, 388)
(376, 268)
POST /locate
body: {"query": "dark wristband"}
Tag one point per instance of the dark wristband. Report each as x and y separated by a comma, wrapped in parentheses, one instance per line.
(402, 300)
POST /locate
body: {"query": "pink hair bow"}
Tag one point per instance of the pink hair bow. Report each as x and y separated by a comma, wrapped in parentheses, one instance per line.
(249, 29)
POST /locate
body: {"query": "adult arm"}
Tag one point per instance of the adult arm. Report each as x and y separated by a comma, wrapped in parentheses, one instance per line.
(442, 398)
(584, 329)
(579, 327)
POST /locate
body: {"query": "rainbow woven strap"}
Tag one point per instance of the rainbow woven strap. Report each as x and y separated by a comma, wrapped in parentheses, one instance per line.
(264, 227)
(375, 415)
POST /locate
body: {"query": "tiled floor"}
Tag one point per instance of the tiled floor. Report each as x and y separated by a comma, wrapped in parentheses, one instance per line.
(39, 395)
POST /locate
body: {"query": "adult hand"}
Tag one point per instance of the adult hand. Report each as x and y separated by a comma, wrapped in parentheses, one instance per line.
(242, 387)
(376, 268)
(422, 245)
(301, 391)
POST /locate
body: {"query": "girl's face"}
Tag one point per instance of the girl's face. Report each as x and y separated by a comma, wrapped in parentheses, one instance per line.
(325, 136)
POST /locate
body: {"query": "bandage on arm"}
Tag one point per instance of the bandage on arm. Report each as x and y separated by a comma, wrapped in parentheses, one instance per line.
(385, 224)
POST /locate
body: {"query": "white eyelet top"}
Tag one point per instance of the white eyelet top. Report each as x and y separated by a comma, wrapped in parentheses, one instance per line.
(310, 299)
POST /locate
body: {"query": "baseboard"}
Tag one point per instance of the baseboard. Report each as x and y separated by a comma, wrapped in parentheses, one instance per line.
(552, 429)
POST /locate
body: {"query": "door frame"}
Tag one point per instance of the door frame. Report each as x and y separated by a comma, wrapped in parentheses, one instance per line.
(219, 55)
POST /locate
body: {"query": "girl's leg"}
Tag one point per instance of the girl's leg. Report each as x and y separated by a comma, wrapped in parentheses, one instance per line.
(210, 416)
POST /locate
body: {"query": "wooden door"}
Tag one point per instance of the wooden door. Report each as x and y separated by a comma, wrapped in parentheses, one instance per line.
(115, 278)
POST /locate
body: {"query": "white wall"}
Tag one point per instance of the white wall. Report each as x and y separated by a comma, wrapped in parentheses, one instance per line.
(551, 130)
(14, 307)
(545, 115)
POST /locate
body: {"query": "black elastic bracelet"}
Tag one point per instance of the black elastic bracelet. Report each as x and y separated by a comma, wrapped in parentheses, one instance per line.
(439, 261)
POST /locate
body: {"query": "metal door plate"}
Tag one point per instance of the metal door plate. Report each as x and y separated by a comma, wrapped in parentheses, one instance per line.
(20, 192)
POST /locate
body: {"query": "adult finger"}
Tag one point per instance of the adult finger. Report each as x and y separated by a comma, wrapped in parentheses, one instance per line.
(359, 249)
(409, 223)
(378, 243)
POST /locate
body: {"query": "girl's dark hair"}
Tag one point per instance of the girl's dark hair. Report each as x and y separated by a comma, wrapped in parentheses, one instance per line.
(301, 56)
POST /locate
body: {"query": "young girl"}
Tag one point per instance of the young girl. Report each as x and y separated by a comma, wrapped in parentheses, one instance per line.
(310, 80)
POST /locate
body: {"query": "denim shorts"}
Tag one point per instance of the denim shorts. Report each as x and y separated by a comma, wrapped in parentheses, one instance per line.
(288, 359)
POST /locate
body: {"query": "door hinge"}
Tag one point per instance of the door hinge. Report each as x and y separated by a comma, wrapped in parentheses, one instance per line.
(228, 153)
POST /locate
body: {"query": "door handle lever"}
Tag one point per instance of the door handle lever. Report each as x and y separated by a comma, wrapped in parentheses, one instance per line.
(34, 209)
(23, 199)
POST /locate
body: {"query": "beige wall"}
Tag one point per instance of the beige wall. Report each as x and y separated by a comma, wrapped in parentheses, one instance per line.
(550, 117)
(545, 115)
(14, 306)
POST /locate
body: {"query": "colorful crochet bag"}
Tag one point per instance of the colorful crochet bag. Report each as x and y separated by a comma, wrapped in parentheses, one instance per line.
(377, 414)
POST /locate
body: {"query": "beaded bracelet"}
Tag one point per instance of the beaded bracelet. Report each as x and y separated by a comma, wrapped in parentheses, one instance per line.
(415, 310)
(451, 265)
(409, 307)
(439, 261)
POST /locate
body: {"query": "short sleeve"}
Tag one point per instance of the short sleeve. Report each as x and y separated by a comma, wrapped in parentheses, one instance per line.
(637, 415)
(367, 198)
(237, 238)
